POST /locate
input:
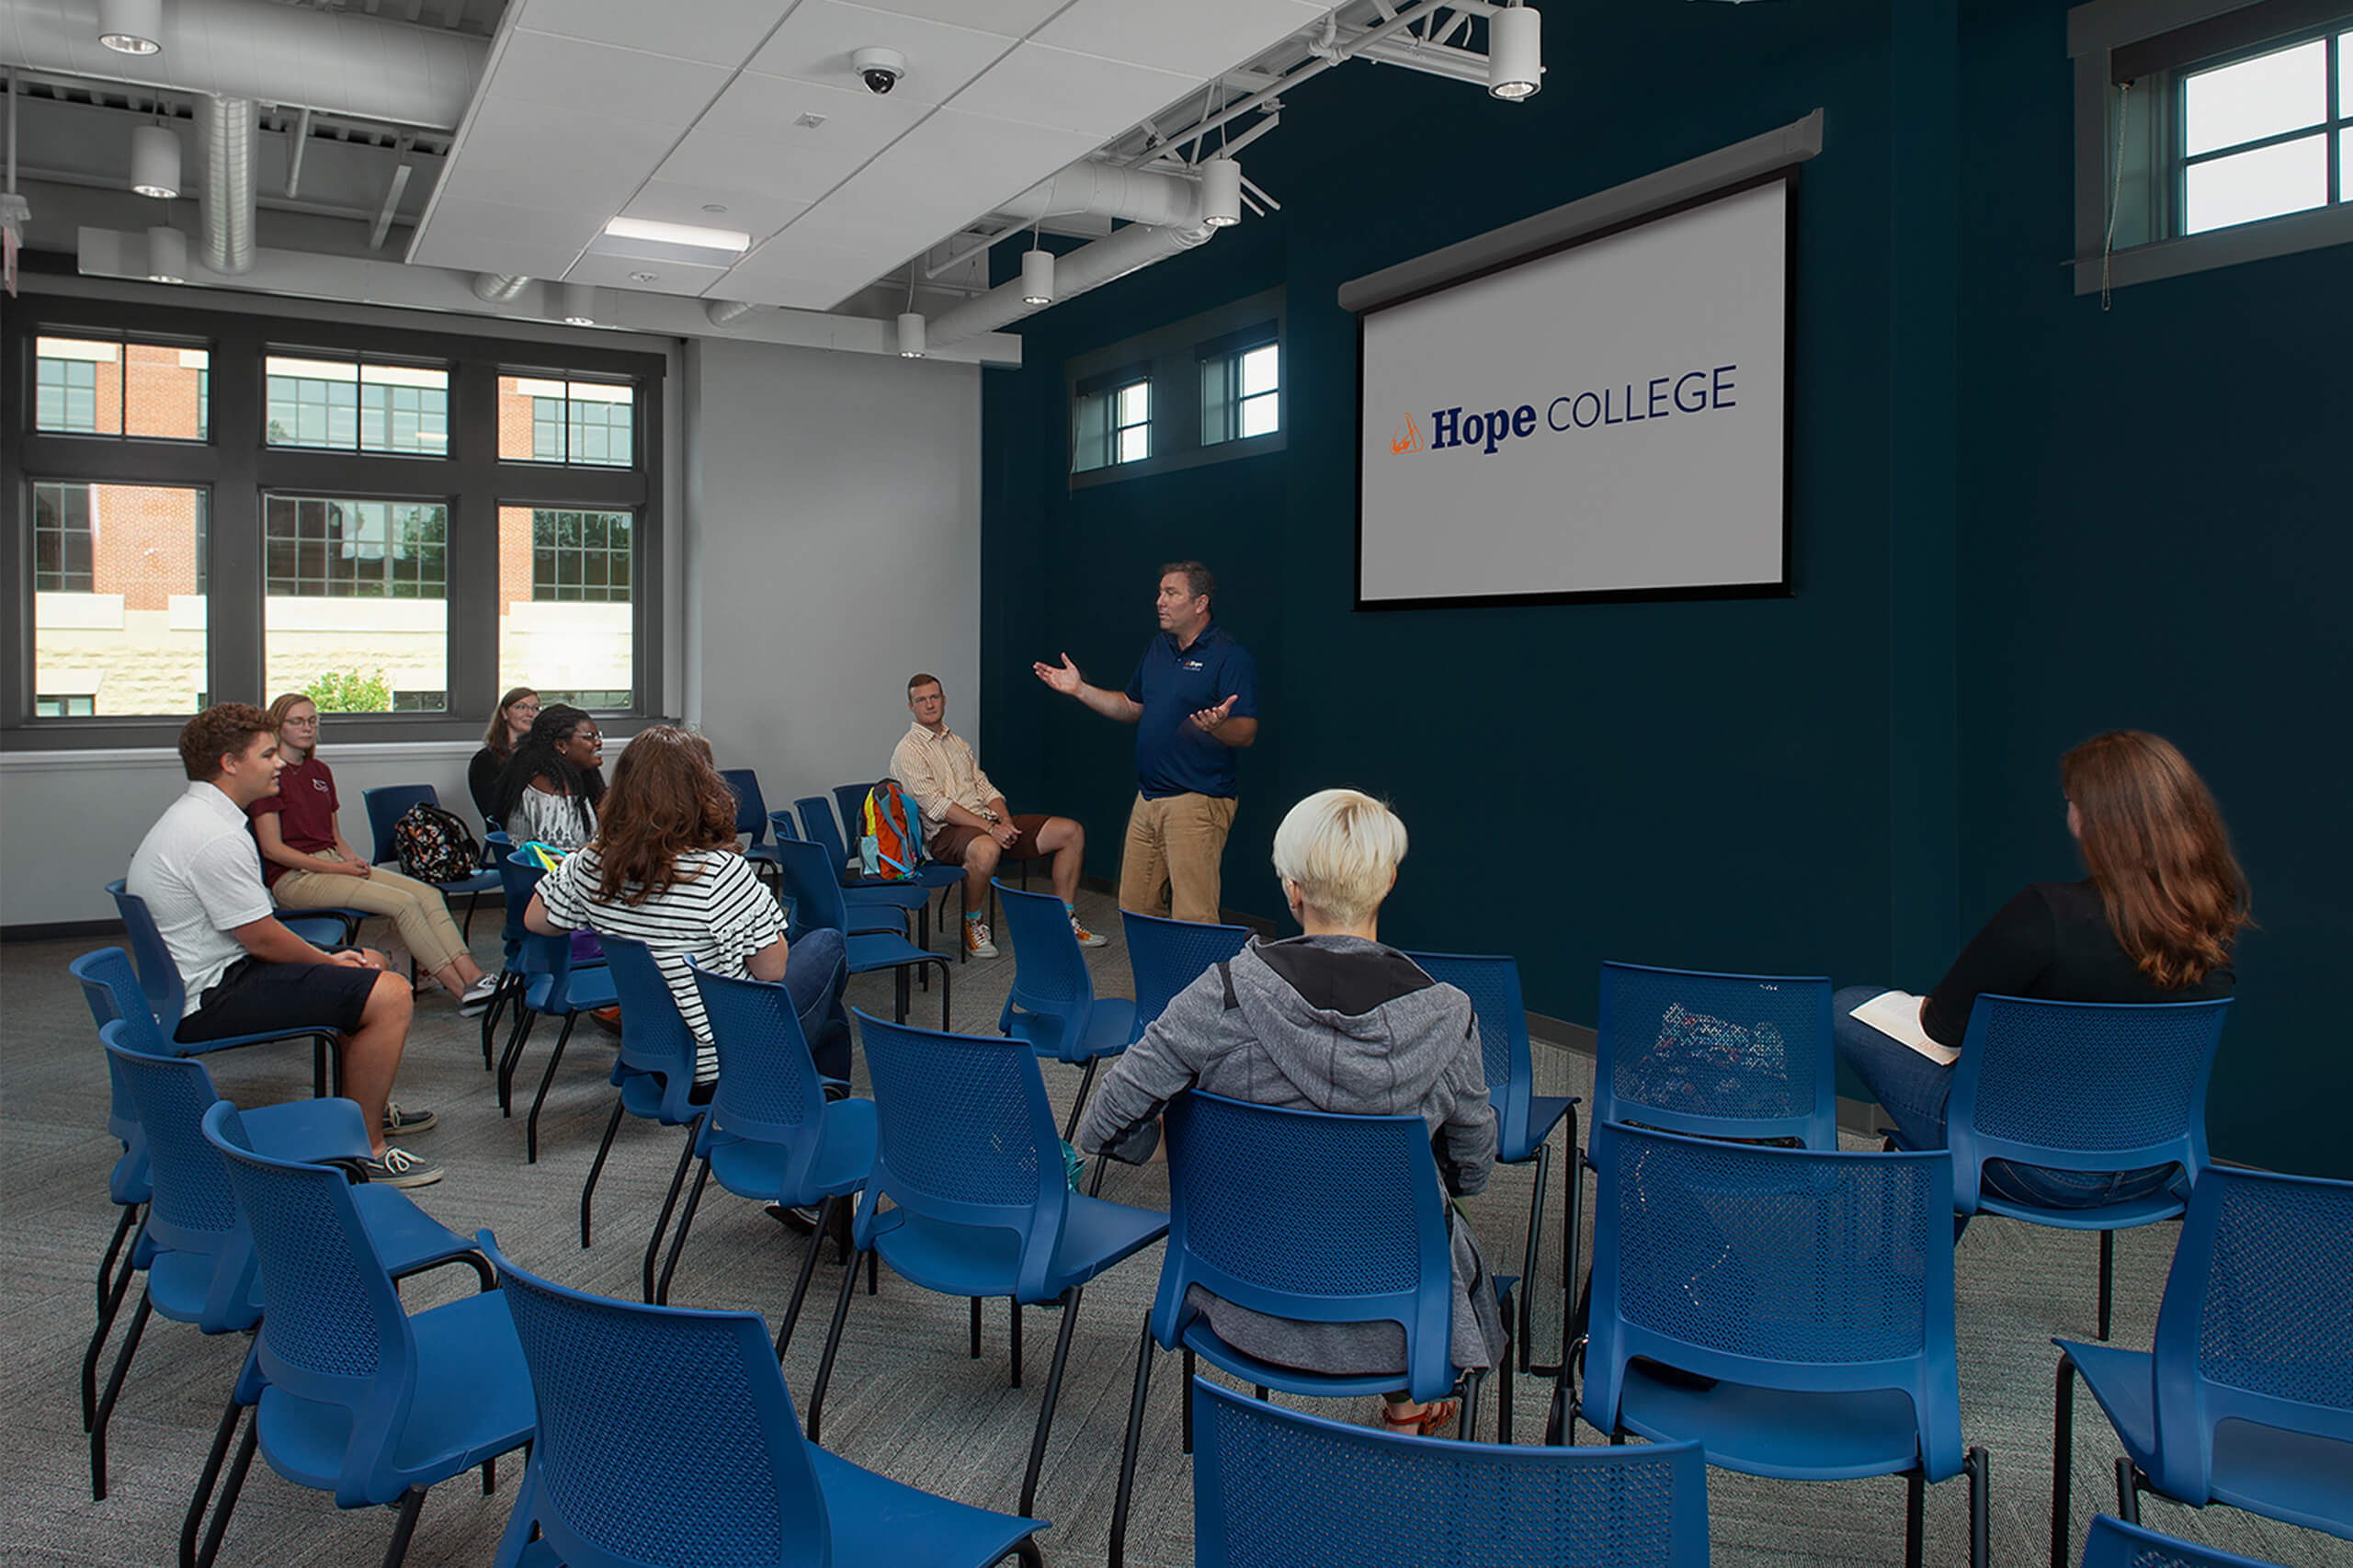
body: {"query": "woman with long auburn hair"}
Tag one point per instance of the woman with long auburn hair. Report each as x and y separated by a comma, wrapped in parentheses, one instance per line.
(2155, 921)
(663, 870)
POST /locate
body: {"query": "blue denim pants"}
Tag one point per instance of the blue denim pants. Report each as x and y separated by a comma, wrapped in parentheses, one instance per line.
(816, 972)
(1913, 1090)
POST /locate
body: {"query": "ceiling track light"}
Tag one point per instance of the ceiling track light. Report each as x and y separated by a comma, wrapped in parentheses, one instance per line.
(579, 304)
(910, 334)
(166, 254)
(155, 160)
(1514, 53)
(132, 27)
(1037, 278)
(1220, 192)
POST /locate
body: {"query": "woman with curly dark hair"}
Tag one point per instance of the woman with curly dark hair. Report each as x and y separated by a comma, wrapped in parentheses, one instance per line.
(549, 789)
(663, 870)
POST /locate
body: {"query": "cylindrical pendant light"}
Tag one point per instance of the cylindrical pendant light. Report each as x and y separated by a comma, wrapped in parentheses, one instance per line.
(1220, 192)
(132, 27)
(579, 304)
(166, 254)
(910, 335)
(155, 160)
(1514, 53)
(1037, 278)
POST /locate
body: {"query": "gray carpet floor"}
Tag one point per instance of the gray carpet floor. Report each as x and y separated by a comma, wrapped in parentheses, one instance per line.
(906, 1399)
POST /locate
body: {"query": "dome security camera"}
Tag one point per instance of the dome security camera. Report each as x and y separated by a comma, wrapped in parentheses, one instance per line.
(878, 68)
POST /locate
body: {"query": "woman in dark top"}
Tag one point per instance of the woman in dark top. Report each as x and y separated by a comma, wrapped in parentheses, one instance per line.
(551, 788)
(516, 711)
(2154, 921)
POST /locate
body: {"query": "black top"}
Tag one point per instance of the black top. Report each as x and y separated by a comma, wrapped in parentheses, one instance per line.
(2051, 943)
(481, 778)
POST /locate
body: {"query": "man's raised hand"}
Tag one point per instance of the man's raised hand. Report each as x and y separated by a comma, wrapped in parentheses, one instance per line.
(1208, 719)
(1062, 678)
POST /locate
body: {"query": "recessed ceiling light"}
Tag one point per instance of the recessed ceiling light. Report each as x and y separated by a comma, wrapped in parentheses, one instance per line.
(714, 206)
(643, 276)
(680, 234)
(132, 27)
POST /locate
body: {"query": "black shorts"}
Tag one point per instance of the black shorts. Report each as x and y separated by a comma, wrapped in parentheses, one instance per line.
(254, 998)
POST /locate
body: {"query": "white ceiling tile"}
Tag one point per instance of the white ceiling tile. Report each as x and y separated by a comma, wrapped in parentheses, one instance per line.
(668, 277)
(817, 40)
(592, 197)
(478, 252)
(759, 106)
(721, 33)
(760, 167)
(1065, 91)
(558, 143)
(757, 214)
(1012, 17)
(542, 68)
(1198, 37)
(459, 215)
(988, 159)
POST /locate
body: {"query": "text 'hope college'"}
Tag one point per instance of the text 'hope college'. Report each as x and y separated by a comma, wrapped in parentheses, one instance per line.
(1694, 392)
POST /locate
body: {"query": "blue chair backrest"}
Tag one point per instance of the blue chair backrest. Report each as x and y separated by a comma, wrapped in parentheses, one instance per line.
(1299, 1214)
(665, 1435)
(1165, 956)
(2257, 1324)
(818, 827)
(784, 825)
(2081, 1085)
(2115, 1545)
(751, 807)
(654, 1038)
(964, 1135)
(335, 1334)
(1049, 979)
(1717, 1055)
(386, 806)
(809, 883)
(159, 977)
(851, 798)
(1783, 1269)
(113, 990)
(768, 1088)
(1276, 1486)
(193, 1210)
(1493, 984)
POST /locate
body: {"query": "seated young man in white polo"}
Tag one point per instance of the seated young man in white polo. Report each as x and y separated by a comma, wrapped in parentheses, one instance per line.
(966, 822)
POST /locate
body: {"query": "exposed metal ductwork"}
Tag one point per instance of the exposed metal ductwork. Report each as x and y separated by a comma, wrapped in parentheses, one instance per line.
(497, 287)
(1089, 267)
(227, 133)
(1106, 190)
(335, 62)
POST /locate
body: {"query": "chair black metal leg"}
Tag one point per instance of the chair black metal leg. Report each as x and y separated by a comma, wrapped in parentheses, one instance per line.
(976, 1328)
(109, 1310)
(517, 1037)
(122, 1229)
(229, 1492)
(1095, 1182)
(874, 1272)
(1085, 1082)
(945, 973)
(412, 1504)
(597, 1166)
(808, 1271)
(2106, 1279)
(899, 994)
(207, 1480)
(1054, 1393)
(114, 1389)
(489, 1475)
(1981, 1484)
(1119, 1543)
(833, 1347)
(1502, 1401)
(1015, 1381)
(318, 1067)
(531, 1123)
(1467, 1427)
(678, 1239)
(2062, 1459)
(1534, 1251)
(1025, 1550)
(1185, 1426)
(1916, 1498)
(669, 1203)
(2128, 1491)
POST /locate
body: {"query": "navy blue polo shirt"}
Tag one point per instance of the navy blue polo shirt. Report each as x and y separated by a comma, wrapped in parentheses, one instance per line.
(1173, 756)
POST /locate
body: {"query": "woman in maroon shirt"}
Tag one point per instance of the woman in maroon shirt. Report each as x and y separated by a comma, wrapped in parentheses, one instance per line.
(307, 865)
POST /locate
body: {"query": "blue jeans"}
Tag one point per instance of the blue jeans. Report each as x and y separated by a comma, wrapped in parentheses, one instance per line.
(816, 972)
(1913, 1090)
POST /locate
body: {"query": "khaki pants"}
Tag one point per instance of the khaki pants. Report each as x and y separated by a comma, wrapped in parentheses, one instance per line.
(417, 908)
(1175, 848)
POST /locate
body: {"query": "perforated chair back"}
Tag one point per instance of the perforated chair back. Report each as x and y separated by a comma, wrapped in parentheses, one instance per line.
(1779, 1268)
(664, 1435)
(1052, 995)
(2257, 1326)
(1717, 1055)
(386, 806)
(851, 801)
(1491, 981)
(751, 806)
(817, 825)
(2081, 1087)
(784, 825)
(1165, 956)
(809, 883)
(1299, 1214)
(964, 1135)
(193, 1210)
(768, 1088)
(1275, 1488)
(159, 977)
(654, 1038)
(2115, 1545)
(111, 989)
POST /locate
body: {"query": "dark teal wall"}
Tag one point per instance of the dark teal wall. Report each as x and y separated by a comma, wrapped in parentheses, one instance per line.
(2158, 534)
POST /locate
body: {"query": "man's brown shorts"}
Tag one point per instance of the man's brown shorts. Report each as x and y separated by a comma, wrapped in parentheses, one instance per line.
(947, 844)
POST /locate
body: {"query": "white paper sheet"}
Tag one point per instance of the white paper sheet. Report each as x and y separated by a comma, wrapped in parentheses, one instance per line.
(1896, 1014)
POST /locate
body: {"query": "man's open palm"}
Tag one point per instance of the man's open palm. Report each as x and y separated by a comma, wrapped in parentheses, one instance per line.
(1063, 678)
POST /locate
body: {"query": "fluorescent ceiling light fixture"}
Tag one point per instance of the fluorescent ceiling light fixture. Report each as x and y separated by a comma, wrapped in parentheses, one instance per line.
(1037, 278)
(732, 240)
(132, 27)
(166, 254)
(155, 160)
(910, 335)
(1220, 192)
(1514, 53)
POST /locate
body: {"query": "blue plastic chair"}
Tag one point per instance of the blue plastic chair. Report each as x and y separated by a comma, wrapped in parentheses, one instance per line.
(2115, 1545)
(1302, 1215)
(817, 902)
(864, 917)
(2082, 1086)
(655, 1075)
(818, 827)
(772, 1135)
(351, 1392)
(1165, 956)
(548, 983)
(2246, 1398)
(325, 926)
(111, 990)
(390, 802)
(1717, 1055)
(1276, 1486)
(200, 1269)
(1524, 1118)
(752, 816)
(666, 1439)
(1052, 1003)
(966, 1152)
(1791, 1311)
(166, 994)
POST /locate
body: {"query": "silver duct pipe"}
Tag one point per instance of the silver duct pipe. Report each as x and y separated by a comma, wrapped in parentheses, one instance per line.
(497, 287)
(1106, 190)
(228, 132)
(725, 313)
(1089, 267)
(336, 63)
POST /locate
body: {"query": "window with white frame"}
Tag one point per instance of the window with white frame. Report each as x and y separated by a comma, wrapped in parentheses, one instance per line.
(2266, 134)
(1241, 392)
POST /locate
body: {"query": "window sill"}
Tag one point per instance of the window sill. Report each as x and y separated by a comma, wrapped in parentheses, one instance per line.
(2284, 235)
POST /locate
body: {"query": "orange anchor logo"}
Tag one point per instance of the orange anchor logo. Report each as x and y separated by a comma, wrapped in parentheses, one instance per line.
(1408, 437)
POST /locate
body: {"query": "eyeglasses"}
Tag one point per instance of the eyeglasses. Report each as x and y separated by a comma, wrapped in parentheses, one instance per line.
(532, 709)
(310, 723)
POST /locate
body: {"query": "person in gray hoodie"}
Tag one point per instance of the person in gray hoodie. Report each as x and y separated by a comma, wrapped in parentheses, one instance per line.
(1329, 1021)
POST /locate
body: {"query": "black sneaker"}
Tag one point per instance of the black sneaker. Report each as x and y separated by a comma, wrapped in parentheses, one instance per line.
(799, 1221)
(400, 1168)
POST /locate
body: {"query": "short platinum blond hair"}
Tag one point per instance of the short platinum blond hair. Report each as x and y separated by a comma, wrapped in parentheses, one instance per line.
(1340, 849)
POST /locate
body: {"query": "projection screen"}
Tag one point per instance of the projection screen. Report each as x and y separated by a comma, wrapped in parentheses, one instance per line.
(1607, 421)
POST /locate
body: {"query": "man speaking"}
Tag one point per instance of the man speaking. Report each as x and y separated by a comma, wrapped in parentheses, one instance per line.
(1194, 701)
